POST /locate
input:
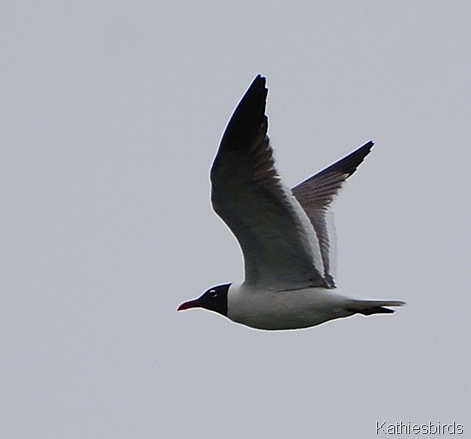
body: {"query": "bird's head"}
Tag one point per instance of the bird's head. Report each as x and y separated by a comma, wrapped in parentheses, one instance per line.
(214, 299)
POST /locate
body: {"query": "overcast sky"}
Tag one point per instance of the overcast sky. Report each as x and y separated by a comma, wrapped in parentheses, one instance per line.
(111, 113)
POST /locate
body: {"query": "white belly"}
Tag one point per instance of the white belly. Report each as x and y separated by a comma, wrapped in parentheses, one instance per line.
(285, 310)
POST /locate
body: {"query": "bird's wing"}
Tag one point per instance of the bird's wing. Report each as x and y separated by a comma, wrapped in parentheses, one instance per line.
(277, 239)
(315, 196)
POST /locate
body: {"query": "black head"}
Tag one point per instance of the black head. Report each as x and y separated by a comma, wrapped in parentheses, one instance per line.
(214, 299)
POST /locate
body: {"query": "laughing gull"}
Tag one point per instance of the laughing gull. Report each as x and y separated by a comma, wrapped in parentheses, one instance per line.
(286, 236)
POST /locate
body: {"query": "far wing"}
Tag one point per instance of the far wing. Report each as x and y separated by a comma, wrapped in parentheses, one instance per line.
(315, 196)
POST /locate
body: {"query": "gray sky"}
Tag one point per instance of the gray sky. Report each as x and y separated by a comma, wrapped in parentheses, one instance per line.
(111, 115)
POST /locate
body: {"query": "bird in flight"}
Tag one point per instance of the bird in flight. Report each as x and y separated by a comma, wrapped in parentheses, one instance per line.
(286, 235)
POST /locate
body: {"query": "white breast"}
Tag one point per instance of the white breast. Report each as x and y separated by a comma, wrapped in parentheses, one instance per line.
(277, 310)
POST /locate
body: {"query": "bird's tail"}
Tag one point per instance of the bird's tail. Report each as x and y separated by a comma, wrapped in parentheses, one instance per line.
(368, 307)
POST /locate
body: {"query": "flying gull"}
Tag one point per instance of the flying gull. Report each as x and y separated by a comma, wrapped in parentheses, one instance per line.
(286, 236)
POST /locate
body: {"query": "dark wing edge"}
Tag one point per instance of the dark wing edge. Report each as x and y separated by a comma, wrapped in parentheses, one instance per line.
(246, 122)
(315, 195)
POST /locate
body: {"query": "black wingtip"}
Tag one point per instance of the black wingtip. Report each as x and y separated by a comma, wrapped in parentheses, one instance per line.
(368, 311)
(349, 164)
(258, 87)
(260, 78)
(248, 116)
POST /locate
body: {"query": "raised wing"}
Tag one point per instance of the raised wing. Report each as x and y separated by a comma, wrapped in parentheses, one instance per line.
(278, 242)
(315, 196)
